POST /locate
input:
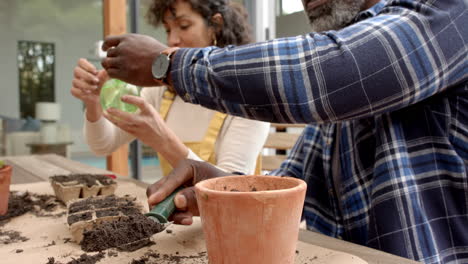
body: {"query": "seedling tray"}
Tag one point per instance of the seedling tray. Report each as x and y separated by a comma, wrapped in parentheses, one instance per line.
(86, 214)
(76, 186)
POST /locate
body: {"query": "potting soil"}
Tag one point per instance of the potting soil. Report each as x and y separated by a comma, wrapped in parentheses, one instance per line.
(83, 259)
(10, 237)
(41, 205)
(127, 234)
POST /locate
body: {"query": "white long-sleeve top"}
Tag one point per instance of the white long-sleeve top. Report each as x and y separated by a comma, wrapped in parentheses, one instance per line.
(237, 146)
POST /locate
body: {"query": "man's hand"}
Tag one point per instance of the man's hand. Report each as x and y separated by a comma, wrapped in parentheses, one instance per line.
(130, 57)
(187, 173)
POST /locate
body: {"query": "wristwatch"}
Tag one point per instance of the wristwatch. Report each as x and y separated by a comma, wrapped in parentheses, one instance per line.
(162, 63)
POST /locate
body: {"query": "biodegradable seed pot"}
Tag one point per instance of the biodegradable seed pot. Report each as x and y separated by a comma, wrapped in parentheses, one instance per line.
(251, 219)
(5, 179)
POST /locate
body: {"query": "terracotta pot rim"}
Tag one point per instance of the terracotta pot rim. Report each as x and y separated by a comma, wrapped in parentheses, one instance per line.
(300, 185)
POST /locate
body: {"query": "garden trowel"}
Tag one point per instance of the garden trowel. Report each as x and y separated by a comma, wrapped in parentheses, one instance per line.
(163, 210)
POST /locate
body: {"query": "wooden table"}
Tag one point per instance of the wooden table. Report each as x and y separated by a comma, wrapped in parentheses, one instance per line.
(38, 168)
(59, 148)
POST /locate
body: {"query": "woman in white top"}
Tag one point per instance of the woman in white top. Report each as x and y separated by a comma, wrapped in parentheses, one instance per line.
(181, 130)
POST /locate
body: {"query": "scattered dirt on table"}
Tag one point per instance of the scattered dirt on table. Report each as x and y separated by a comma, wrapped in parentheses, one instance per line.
(111, 253)
(85, 179)
(50, 244)
(83, 259)
(310, 260)
(10, 237)
(153, 257)
(40, 205)
(127, 234)
(18, 204)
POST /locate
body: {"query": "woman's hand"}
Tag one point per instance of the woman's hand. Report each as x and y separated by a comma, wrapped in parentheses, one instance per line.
(150, 128)
(86, 86)
(187, 172)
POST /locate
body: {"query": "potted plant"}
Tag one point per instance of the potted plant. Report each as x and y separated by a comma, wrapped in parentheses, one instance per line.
(251, 219)
(5, 179)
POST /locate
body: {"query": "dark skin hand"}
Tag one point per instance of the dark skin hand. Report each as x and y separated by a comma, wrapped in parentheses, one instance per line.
(188, 173)
(130, 57)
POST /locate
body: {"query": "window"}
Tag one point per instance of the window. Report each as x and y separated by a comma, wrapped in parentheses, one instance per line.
(289, 6)
(36, 65)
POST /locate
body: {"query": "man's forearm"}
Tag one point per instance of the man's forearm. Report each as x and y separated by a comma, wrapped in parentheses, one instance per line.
(380, 65)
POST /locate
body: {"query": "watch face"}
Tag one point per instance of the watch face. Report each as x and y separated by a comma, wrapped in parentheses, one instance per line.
(160, 66)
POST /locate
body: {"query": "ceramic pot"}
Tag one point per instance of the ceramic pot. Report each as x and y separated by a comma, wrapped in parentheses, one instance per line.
(251, 219)
(5, 179)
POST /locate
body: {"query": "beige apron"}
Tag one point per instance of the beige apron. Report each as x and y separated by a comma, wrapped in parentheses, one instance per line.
(205, 148)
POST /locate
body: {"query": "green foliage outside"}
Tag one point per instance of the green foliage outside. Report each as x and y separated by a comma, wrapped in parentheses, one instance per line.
(36, 66)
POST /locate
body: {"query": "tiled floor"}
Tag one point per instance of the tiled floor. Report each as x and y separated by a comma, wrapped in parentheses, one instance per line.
(150, 166)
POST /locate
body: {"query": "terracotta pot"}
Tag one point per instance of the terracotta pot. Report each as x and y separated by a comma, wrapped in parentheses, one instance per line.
(5, 179)
(251, 219)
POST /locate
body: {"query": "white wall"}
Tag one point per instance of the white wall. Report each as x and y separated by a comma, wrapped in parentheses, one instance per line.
(292, 25)
(72, 28)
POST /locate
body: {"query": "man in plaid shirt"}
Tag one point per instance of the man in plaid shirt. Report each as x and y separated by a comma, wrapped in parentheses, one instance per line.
(386, 153)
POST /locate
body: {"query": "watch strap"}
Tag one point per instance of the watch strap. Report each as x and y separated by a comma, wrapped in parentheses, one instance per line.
(169, 51)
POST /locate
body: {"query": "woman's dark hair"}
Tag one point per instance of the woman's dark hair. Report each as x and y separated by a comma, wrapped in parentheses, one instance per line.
(234, 31)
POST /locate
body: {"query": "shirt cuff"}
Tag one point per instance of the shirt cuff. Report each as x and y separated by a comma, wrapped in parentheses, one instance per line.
(191, 155)
(98, 125)
(185, 77)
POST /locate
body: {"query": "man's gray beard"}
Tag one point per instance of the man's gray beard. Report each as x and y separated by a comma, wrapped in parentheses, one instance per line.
(334, 14)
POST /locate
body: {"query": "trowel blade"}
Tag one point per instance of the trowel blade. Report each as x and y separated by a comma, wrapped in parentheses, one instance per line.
(163, 225)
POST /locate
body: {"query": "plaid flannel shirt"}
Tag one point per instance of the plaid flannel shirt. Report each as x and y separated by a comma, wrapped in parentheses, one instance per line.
(386, 153)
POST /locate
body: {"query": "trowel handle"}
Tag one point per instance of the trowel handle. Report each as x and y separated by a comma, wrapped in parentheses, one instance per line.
(164, 209)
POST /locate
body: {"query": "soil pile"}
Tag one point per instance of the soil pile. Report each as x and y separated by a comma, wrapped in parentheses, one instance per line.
(85, 179)
(39, 204)
(156, 258)
(127, 234)
(18, 204)
(83, 259)
(9, 237)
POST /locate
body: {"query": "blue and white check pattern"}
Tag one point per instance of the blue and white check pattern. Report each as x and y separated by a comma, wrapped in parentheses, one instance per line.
(393, 88)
